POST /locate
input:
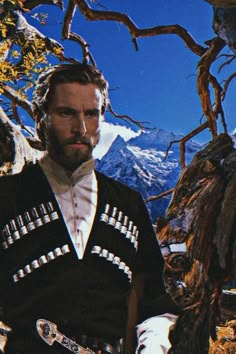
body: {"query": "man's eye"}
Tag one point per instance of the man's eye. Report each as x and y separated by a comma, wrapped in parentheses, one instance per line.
(67, 112)
(94, 113)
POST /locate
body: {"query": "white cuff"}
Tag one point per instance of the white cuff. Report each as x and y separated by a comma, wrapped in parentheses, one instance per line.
(153, 334)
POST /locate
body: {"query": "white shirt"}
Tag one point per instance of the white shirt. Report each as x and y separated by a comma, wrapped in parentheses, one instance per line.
(77, 198)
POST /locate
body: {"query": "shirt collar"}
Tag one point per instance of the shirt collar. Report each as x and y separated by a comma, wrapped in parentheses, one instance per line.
(57, 174)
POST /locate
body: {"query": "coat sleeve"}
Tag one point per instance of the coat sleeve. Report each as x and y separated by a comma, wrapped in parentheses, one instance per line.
(154, 299)
(148, 297)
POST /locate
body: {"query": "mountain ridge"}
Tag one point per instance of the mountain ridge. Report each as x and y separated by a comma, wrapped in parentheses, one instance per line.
(142, 163)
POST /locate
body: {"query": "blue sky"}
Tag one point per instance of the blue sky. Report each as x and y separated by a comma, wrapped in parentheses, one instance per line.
(157, 83)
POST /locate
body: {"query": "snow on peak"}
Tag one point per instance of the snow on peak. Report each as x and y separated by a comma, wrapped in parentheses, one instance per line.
(141, 163)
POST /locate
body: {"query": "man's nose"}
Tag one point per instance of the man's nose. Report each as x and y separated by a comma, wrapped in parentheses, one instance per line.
(79, 125)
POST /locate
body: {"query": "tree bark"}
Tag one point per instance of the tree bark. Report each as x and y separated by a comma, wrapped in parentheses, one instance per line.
(197, 237)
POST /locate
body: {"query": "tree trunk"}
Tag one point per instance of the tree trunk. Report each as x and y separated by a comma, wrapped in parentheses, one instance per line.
(197, 238)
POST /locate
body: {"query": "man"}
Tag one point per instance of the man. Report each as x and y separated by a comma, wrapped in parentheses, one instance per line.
(77, 248)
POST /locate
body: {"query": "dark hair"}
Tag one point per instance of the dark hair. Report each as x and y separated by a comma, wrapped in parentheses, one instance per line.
(65, 73)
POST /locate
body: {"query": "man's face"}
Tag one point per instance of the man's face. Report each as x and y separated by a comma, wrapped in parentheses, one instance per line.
(73, 123)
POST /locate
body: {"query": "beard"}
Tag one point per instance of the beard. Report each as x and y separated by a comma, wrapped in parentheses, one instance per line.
(66, 156)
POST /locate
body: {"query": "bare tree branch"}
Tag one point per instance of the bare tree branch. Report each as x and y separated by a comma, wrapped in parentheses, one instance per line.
(215, 46)
(231, 59)
(126, 117)
(95, 15)
(184, 140)
(87, 56)
(218, 101)
(159, 196)
(70, 11)
(31, 4)
(14, 97)
(226, 85)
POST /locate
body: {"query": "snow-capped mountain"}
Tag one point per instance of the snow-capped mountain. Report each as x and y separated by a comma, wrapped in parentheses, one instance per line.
(142, 164)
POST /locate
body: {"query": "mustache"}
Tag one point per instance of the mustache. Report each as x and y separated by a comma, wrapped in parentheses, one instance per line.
(78, 139)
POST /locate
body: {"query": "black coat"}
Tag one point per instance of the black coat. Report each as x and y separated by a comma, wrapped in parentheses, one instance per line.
(41, 276)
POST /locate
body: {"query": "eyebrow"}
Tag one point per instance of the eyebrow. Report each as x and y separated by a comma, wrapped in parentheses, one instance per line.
(61, 108)
(88, 110)
(92, 110)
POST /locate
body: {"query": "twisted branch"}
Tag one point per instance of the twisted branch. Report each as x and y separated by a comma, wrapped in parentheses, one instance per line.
(184, 140)
(125, 117)
(95, 15)
(218, 101)
(159, 196)
(87, 56)
(70, 11)
(14, 97)
(226, 85)
(216, 45)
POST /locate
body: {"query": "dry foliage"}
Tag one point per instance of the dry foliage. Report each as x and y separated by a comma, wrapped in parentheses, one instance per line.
(226, 339)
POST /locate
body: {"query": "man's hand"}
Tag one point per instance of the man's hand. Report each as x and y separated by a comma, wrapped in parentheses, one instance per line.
(153, 334)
